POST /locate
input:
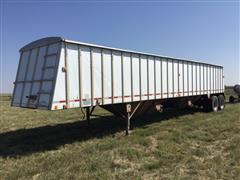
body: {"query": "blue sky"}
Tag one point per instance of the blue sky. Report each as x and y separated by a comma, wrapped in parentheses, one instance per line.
(203, 31)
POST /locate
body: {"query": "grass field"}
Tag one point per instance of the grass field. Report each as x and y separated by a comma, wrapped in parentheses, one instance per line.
(177, 144)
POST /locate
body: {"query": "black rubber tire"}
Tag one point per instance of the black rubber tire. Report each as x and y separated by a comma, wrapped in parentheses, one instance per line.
(221, 102)
(214, 104)
(231, 99)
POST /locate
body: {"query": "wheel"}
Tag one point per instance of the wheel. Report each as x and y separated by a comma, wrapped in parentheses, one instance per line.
(214, 104)
(221, 102)
(231, 99)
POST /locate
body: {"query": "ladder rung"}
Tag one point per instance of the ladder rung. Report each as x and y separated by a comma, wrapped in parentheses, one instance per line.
(44, 92)
(53, 54)
(48, 67)
(47, 80)
(32, 81)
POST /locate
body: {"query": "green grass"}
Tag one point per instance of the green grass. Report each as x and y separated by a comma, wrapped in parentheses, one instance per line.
(178, 144)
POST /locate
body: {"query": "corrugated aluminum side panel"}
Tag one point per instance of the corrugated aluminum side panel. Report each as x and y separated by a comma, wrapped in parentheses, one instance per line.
(102, 76)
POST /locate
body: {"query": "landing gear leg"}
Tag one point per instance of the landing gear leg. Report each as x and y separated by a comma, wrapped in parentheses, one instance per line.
(128, 118)
(88, 116)
(130, 113)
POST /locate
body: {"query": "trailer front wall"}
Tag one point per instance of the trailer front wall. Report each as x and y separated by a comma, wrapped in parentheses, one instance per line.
(96, 75)
(36, 76)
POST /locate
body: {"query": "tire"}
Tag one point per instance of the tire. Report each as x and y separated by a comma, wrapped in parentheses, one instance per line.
(214, 104)
(221, 102)
(231, 99)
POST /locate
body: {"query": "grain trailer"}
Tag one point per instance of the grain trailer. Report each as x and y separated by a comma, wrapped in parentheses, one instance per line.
(236, 90)
(55, 73)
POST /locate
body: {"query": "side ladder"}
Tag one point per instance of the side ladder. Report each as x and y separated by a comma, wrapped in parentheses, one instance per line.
(46, 89)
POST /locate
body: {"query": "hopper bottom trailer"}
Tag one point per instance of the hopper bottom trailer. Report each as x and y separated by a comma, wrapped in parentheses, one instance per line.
(55, 73)
(236, 90)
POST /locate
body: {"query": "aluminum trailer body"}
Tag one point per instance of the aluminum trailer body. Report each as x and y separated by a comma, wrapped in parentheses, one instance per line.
(55, 73)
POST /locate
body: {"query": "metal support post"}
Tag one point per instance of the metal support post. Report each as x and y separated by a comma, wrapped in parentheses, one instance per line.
(128, 108)
(128, 124)
(88, 115)
(92, 110)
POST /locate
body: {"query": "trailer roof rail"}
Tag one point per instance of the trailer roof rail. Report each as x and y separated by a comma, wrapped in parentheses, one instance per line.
(56, 39)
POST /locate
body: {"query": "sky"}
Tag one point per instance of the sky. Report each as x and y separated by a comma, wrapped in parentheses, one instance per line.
(206, 31)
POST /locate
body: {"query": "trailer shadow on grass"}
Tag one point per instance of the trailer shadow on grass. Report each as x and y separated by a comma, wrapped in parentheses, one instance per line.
(27, 141)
